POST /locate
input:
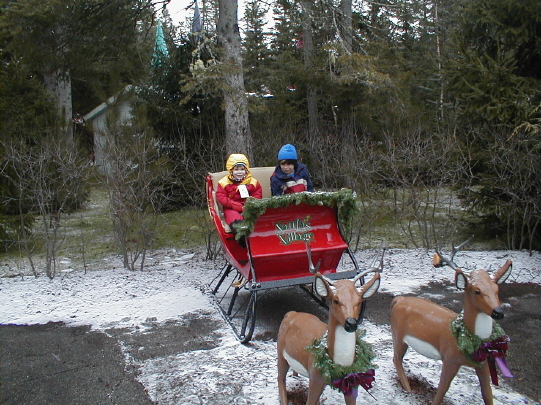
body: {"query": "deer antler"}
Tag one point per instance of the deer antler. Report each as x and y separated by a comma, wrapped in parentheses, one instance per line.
(315, 269)
(440, 260)
(372, 269)
(311, 267)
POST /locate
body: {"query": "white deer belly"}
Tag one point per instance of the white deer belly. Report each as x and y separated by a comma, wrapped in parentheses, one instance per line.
(295, 365)
(422, 347)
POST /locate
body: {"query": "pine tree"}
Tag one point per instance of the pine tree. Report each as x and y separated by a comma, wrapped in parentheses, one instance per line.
(494, 80)
(493, 69)
(255, 52)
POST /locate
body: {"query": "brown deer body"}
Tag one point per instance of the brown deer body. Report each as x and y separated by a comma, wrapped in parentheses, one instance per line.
(425, 327)
(298, 330)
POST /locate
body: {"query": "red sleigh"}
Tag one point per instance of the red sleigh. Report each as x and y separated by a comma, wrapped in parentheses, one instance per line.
(277, 234)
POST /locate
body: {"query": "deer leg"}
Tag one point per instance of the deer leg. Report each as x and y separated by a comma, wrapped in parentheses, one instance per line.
(448, 373)
(349, 400)
(315, 389)
(400, 349)
(483, 373)
(283, 368)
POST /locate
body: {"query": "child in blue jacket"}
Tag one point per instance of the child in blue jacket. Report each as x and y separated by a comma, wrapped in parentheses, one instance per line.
(290, 176)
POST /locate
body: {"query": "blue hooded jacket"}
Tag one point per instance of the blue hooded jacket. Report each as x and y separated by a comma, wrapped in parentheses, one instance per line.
(282, 183)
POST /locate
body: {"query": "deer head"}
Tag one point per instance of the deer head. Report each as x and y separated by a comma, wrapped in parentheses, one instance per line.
(481, 291)
(345, 298)
(347, 290)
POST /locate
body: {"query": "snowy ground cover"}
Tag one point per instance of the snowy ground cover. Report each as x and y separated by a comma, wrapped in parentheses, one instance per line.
(173, 285)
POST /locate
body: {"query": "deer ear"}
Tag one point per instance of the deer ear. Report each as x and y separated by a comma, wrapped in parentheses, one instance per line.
(320, 286)
(371, 287)
(461, 281)
(503, 273)
(436, 260)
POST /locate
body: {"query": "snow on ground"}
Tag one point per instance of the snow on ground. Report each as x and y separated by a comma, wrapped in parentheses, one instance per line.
(173, 285)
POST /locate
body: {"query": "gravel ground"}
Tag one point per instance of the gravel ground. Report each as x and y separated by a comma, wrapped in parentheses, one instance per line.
(120, 337)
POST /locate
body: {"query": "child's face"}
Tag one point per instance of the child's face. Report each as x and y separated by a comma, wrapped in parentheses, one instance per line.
(239, 172)
(287, 168)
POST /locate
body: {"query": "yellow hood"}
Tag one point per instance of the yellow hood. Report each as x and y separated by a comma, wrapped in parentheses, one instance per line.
(234, 159)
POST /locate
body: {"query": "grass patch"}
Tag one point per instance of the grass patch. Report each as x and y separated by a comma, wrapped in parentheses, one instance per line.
(394, 220)
(409, 219)
(184, 229)
(89, 230)
(88, 237)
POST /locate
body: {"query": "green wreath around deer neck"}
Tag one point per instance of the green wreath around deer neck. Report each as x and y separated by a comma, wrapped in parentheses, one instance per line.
(468, 342)
(331, 371)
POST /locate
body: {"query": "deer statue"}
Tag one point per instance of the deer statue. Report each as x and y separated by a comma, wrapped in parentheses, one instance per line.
(439, 333)
(298, 331)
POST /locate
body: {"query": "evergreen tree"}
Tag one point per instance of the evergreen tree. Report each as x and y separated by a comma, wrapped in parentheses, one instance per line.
(72, 49)
(182, 101)
(493, 70)
(255, 51)
(494, 80)
(85, 42)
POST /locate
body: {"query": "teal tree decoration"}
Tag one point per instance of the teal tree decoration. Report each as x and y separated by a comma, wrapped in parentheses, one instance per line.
(161, 54)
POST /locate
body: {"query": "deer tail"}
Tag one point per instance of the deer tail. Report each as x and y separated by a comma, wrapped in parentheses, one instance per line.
(394, 302)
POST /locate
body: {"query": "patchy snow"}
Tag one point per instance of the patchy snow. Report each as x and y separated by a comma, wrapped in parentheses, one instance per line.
(173, 285)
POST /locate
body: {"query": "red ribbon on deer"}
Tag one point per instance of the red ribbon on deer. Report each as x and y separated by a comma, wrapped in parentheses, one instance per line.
(348, 384)
(494, 353)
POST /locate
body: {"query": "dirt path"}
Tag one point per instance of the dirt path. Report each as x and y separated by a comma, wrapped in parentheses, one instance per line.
(45, 364)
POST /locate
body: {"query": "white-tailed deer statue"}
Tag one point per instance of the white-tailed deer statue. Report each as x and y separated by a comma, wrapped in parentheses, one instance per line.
(299, 330)
(432, 330)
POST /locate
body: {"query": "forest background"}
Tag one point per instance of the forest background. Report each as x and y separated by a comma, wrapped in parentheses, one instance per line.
(428, 109)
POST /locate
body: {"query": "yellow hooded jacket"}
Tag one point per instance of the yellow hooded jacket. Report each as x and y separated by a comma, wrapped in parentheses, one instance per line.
(227, 193)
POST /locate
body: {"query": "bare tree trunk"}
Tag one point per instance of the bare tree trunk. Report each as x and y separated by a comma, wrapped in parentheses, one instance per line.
(438, 50)
(58, 85)
(346, 27)
(57, 81)
(308, 53)
(374, 23)
(238, 137)
(346, 30)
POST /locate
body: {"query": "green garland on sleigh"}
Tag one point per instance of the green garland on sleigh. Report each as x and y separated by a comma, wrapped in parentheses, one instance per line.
(345, 200)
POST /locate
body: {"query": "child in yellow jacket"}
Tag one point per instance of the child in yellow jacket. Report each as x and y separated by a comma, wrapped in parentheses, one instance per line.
(236, 187)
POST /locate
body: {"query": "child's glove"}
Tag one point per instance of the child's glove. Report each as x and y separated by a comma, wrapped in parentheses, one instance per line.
(237, 206)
